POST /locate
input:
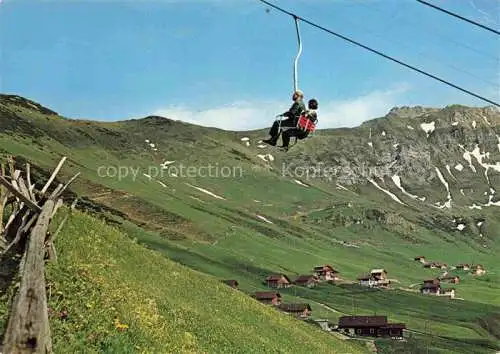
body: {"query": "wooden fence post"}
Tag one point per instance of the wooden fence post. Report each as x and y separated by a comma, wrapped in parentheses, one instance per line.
(28, 329)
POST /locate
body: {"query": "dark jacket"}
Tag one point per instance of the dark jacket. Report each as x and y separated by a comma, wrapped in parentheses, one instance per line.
(296, 110)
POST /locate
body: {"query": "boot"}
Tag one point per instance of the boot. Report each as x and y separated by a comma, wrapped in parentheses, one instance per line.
(270, 141)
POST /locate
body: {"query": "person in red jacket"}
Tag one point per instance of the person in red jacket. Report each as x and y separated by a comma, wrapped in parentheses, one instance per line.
(298, 132)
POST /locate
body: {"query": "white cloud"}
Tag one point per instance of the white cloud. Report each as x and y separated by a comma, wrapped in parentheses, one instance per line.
(352, 112)
(257, 115)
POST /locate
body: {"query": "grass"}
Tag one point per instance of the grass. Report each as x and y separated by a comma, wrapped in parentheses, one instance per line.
(108, 294)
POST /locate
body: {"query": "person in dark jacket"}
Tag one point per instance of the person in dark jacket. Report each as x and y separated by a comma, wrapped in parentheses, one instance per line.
(292, 115)
(300, 134)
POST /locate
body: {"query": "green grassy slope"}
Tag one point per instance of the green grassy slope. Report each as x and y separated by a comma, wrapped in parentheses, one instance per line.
(102, 275)
(354, 230)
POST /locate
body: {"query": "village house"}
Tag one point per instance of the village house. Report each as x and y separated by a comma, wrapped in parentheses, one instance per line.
(433, 287)
(268, 297)
(430, 288)
(420, 259)
(301, 311)
(435, 281)
(462, 267)
(448, 292)
(232, 283)
(370, 326)
(309, 281)
(278, 281)
(455, 279)
(435, 265)
(367, 280)
(478, 269)
(326, 272)
(380, 275)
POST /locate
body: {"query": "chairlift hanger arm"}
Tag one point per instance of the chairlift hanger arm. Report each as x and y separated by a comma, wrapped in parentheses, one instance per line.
(299, 40)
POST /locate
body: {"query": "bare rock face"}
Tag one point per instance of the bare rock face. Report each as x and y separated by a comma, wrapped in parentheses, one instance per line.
(414, 143)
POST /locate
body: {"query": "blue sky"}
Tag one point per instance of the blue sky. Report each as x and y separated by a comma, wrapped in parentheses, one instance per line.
(229, 64)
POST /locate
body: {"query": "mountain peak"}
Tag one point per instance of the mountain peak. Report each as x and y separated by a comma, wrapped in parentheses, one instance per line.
(26, 103)
(410, 112)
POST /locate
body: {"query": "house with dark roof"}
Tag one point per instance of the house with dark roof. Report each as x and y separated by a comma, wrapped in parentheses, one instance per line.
(367, 280)
(462, 267)
(268, 297)
(278, 281)
(434, 288)
(301, 310)
(370, 326)
(435, 281)
(326, 272)
(430, 288)
(420, 259)
(309, 281)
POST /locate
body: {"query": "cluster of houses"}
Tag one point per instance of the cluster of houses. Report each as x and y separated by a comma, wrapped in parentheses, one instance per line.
(372, 326)
(476, 269)
(324, 273)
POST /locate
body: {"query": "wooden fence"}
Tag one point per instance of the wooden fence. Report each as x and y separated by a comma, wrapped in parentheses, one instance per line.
(28, 211)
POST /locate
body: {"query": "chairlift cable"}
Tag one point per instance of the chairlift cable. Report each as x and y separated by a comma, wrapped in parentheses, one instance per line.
(459, 17)
(382, 54)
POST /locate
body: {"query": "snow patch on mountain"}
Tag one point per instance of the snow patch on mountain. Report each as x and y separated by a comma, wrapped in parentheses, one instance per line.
(448, 168)
(392, 195)
(301, 183)
(264, 219)
(206, 192)
(428, 128)
(447, 204)
(397, 181)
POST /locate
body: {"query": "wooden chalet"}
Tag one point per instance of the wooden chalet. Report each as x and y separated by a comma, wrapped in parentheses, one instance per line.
(478, 269)
(455, 279)
(299, 310)
(232, 283)
(436, 289)
(379, 274)
(309, 281)
(435, 265)
(278, 281)
(326, 272)
(435, 281)
(268, 297)
(420, 259)
(370, 326)
(430, 288)
(367, 280)
(462, 266)
(377, 277)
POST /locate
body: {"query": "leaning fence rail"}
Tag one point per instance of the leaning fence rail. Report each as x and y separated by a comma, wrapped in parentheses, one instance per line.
(28, 212)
